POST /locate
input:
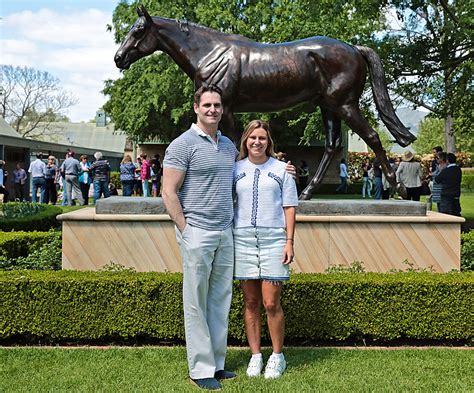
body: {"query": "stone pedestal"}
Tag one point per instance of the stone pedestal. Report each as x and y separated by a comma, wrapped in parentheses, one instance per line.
(384, 235)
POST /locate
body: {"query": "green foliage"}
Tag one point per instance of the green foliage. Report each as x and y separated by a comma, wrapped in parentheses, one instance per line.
(467, 251)
(354, 267)
(30, 250)
(26, 216)
(153, 99)
(431, 133)
(68, 305)
(430, 54)
(115, 179)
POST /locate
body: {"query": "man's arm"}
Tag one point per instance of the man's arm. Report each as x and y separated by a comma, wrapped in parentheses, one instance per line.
(172, 181)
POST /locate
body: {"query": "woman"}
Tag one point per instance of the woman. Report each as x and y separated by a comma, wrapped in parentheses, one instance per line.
(409, 173)
(127, 175)
(264, 225)
(51, 192)
(343, 176)
(19, 182)
(85, 178)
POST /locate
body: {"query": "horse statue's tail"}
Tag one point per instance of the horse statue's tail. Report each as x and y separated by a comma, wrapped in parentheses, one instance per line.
(382, 99)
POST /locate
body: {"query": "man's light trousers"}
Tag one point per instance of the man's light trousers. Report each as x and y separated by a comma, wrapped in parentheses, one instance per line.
(208, 264)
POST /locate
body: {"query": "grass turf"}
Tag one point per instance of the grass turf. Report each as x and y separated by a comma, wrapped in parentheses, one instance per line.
(165, 370)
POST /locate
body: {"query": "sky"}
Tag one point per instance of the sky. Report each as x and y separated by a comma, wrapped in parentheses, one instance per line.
(68, 39)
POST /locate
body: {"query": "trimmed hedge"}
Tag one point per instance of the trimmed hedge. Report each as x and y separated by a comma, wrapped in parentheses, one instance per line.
(44, 220)
(467, 251)
(20, 244)
(88, 306)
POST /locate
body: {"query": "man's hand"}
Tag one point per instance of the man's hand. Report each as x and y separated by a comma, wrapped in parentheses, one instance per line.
(290, 169)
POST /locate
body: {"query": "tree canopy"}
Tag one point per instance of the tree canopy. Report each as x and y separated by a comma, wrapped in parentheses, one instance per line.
(430, 48)
(154, 97)
(29, 97)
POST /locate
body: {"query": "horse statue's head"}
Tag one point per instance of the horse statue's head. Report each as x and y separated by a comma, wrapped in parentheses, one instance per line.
(139, 41)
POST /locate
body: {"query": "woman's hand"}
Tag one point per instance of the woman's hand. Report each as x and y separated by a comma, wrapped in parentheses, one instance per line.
(290, 169)
(288, 253)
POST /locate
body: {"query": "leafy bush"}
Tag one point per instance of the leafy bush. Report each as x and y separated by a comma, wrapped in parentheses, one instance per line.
(30, 250)
(84, 306)
(467, 251)
(26, 216)
(115, 180)
(467, 182)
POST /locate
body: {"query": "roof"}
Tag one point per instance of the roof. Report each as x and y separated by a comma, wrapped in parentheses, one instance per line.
(7, 130)
(87, 135)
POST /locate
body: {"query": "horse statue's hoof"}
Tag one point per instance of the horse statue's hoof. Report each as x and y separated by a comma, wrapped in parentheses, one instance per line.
(304, 197)
(401, 190)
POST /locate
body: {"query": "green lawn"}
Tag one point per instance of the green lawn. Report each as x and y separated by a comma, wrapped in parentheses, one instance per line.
(165, 370)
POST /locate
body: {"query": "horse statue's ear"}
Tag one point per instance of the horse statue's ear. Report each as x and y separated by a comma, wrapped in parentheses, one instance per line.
(139, 11)
(144, 12)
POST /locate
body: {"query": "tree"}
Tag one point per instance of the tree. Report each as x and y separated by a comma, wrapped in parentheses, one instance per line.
(431, 133)
(432, 57)
(29, 97)
(154, 97)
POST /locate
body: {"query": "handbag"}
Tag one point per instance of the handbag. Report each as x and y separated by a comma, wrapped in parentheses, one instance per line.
(425, 188)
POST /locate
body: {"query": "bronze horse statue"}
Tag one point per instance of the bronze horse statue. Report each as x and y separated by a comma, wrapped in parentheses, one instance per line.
(257, 77)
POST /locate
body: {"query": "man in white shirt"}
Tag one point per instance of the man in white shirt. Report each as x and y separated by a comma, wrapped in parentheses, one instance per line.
(38, 171)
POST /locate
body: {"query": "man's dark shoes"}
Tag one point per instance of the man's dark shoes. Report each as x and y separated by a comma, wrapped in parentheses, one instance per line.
(207, 383)
(222, 374)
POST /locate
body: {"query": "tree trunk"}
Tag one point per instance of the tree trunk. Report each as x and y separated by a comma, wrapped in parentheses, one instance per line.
(449, 138)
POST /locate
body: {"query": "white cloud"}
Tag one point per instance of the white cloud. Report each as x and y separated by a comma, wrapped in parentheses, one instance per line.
(76, 48)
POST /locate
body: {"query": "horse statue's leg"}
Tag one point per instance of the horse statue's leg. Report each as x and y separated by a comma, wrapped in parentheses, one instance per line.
(332, 128)
(359, 124)
(228, 127)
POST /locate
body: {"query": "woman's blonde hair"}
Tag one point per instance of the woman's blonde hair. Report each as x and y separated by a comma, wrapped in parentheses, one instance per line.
(127, 158)
(251, 127)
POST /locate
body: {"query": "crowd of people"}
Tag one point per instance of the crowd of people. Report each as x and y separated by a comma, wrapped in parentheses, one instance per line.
(71, 181)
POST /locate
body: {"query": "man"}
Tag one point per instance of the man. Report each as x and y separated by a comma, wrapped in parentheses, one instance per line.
(197, 191)
(3, 189)
(71, 168)
(38, 170)
(433, 169)
(100, 170)
(450, 180)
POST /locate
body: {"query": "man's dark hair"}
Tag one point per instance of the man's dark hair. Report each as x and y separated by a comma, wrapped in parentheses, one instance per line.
(438, 149)
(442, 156)
(206, 89)
(451, 158)
(40, 156)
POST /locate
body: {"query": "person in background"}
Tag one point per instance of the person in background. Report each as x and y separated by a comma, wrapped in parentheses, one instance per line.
(433, 169)
(137, 187)
(145, 175)
(264, 226)
(409, 173)
(450, 179)
(38, 169)
(343, 176)
(156, 175)
(3, 188)
(366, 183)
(70, 169)
(100, 170)
(19, 182)
(436, 188)
(378, 179)
(51, 193)
(127, 175)
(303, 175)
(85, 178)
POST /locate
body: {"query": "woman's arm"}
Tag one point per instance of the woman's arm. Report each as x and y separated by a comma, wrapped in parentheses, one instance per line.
(288, 251)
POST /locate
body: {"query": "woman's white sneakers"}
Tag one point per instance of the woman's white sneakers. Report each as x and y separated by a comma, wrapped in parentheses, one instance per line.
(255, 366)
(276, 365)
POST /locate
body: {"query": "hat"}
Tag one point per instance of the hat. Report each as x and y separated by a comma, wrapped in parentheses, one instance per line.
(407, 156)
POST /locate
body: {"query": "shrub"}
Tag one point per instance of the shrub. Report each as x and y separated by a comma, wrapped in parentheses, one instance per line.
(25, 216)
(30, 250)
(467, 182)
(467, 251)
(85, 306)
(115, 180)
